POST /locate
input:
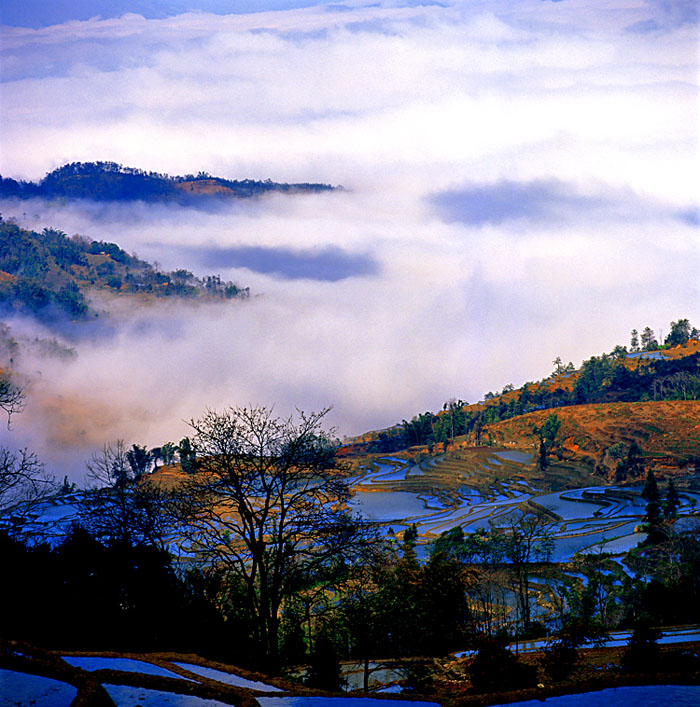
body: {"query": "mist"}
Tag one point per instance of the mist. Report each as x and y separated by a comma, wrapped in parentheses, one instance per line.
(520, 183)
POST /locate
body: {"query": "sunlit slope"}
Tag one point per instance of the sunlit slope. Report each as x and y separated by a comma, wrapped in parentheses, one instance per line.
(667, 431)
(488, 471)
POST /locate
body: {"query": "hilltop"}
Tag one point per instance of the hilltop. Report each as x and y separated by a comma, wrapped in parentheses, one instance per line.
(618, 413)
(48, 273)
(109, 181)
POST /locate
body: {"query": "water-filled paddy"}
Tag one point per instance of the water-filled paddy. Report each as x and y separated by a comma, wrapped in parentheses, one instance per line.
(513, 455)
(392, 475)
(617, 639)
(25, 689)
(128, 696)
(125, 664)
(389, 505)
(567, 509)
(609, 539)
(625, 543)
(676, 695)
(339, 702)
(228, 678)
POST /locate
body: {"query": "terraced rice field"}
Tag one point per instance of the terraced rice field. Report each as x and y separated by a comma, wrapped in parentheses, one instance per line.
(475, 488)
(478, 487)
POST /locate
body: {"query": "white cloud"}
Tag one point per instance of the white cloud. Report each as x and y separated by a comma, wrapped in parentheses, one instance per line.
(396, 104)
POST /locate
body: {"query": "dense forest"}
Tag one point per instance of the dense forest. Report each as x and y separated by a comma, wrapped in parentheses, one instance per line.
(48, 273)
(638, 373)
(109, 181)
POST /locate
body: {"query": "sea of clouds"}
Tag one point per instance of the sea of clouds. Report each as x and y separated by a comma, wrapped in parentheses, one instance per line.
(520, 183)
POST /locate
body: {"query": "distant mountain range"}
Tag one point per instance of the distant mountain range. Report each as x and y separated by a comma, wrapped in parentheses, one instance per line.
(109, 181)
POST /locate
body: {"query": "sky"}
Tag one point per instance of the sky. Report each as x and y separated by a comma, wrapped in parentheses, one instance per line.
(520, 182)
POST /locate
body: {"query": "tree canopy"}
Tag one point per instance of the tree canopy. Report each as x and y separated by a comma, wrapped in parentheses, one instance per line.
(267, 503)
(110, 181)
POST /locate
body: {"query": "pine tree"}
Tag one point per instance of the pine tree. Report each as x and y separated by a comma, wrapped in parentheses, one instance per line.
(649, 342)
(652, 517)
(634, 341)
(650, 492)
(672, 501)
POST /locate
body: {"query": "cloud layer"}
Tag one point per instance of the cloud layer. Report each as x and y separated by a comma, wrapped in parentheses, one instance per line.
(521, 183)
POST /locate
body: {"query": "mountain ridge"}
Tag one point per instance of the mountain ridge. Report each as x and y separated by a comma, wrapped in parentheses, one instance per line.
(48, 274)
(110, 181)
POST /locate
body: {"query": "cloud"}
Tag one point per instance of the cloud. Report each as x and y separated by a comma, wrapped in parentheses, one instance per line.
(506, 200)
(547, 201)
(327, 263)
(521, 184)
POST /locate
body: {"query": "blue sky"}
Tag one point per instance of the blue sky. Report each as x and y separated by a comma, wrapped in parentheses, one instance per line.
(40, 13)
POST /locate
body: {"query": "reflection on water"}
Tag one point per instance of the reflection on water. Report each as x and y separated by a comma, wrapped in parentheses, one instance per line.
(389, 505)
(677, 695)
(513, 455)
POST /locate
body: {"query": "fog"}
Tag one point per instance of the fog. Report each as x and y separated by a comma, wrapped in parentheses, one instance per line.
(520, 183)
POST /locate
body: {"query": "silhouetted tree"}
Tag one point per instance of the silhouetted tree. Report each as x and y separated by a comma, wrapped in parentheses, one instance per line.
(324, 672)
(267, 505)
(188, 456)
(11, 399)
(650, 492)
(526, 538)
(672, 501)
(121, 507)
(24, 485)
(139, 459)
(495, 668)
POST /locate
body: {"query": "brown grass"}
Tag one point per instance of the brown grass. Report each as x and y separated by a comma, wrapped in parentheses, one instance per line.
(667, 431)
(204, 186)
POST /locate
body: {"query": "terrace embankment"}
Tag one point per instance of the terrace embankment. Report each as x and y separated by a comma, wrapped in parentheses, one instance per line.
(599, 669)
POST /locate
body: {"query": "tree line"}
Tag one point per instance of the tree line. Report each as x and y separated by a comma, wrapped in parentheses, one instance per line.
(47, 273)
(610, 377)
(110, 181)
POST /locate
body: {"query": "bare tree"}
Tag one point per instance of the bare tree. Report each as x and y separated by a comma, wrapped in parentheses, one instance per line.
(527, 539)
(24, 484)
(11, 399)
(120, 506)
(267, 504)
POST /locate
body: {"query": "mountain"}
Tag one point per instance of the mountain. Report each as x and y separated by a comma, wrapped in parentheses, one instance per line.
(612, 409)
(109, 181)
(48, 273)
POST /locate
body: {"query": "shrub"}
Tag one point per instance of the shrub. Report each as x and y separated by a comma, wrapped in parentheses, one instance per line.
(495, 668)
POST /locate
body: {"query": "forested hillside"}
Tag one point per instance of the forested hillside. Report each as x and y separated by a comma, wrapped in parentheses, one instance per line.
(48, 273)
(640, 373)
(109, 181)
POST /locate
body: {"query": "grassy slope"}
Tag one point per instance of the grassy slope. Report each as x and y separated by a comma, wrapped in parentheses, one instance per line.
(668, 431)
